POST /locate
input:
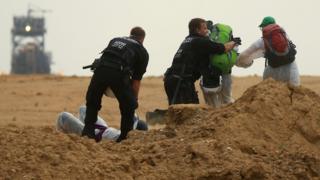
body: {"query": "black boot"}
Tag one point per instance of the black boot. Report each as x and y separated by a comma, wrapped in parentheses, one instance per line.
(89, 123)
(88, 131)
(121, 137)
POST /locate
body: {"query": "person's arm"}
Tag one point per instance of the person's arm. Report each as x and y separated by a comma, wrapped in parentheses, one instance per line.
(206, 46)
(256, 50)
(139, 70)
(229, 46)
(136, 87)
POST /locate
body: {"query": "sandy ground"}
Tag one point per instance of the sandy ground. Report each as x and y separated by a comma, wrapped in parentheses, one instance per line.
(272, 131)
(37, 100)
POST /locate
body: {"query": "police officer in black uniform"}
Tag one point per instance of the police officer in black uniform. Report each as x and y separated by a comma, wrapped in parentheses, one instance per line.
(121, 67)
(190, 62)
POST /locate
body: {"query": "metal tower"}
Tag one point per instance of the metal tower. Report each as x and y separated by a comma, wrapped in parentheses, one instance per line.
(28, 44)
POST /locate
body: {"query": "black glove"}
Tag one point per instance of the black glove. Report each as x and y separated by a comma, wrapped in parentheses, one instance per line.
(237, 40)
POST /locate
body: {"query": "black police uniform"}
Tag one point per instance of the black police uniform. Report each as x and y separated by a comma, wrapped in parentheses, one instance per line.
(124, 60)
(189, 63)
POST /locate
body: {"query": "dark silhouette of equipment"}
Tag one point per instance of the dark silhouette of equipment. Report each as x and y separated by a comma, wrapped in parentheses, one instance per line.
(28, 44)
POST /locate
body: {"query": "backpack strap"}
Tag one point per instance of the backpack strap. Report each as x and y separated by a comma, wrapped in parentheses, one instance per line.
(216, 32)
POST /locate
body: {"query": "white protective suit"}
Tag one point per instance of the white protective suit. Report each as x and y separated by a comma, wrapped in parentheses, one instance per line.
(218, 96)
(286, 73)
(68, 123)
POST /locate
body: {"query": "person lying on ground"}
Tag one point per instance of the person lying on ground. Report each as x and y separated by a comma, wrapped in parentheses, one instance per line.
(68, 123)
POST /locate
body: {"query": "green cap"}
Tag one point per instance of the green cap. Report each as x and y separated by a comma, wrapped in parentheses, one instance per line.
(266, 21)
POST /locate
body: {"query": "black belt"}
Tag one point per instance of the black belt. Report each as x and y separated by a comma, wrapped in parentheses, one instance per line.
(112, 65)
(183, 77)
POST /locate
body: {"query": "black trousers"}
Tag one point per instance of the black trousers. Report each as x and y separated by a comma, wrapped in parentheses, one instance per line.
(120, 84)
(187, 93)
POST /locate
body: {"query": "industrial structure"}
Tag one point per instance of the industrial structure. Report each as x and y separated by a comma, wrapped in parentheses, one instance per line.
(28, 44)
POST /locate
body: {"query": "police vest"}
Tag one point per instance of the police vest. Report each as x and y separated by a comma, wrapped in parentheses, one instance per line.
(184, 62)
(120, 51)
(221, 33)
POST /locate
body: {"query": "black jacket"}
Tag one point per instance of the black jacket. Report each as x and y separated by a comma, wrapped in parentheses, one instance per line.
(194, 53)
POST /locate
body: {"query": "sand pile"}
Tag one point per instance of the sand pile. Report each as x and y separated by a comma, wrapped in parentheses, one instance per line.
(271, 132)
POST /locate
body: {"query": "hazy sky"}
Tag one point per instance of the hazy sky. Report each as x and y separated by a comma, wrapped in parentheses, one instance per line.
(77, 30)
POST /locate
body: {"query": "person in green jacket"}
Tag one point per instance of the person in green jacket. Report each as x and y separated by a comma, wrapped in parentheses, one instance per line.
(216, 87)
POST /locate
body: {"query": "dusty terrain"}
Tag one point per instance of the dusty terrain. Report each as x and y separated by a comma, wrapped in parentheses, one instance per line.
(272, 131)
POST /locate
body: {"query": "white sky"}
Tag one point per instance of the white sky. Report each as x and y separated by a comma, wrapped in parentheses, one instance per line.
(77, 30)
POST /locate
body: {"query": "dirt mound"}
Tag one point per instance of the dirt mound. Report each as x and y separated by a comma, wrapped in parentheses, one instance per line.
(271, 132)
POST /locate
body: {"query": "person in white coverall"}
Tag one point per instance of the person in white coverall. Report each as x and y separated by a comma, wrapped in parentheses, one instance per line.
(286, 73)
(68, 123)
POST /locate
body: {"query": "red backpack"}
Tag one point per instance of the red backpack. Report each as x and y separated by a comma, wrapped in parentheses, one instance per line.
(275, 39)
(279, 49)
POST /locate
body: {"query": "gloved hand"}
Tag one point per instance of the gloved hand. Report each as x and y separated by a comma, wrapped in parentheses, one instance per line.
(237, 40)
